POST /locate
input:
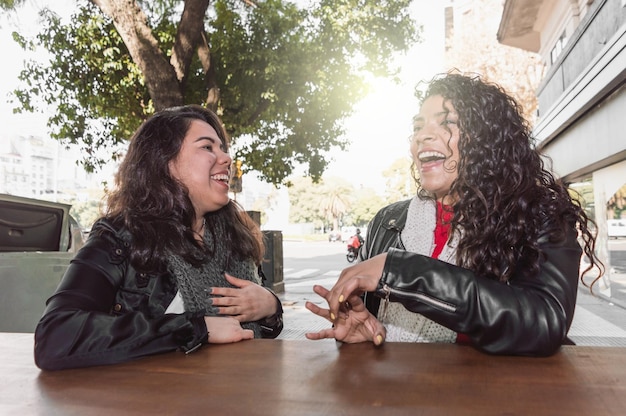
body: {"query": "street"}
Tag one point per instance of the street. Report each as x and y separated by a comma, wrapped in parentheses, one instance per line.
(597, 321)
(308, 263)
(304, 265)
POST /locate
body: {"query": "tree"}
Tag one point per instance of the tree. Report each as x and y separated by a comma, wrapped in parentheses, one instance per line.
(335, 201)
(282, 78)
(10, 5)
(322, 203)
(366, 204)
(474, 47)
(304, 198)
(400, 184)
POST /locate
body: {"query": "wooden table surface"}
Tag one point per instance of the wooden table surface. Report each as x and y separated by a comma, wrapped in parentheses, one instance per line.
(294, 377)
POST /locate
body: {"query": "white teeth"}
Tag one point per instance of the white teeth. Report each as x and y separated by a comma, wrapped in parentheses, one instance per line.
(431, 155)
(220, 177)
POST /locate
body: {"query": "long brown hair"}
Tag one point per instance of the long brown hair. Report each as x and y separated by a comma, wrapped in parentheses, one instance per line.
(156, 209)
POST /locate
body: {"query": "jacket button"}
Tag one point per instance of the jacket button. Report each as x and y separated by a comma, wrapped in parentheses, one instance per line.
(117, 307)
(118, 251)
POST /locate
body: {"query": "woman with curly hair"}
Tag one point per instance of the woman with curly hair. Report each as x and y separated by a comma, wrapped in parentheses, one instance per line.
(486, 253)
(172, 265)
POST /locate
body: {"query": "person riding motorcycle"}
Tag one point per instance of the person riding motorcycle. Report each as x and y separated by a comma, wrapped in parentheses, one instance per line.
(354, 245)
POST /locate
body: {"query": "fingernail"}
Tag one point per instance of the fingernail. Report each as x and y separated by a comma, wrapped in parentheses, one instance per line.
(379, 338)
(340, 298)
(332, 316)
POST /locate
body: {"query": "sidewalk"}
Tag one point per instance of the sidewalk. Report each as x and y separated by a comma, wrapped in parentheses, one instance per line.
(596, 322)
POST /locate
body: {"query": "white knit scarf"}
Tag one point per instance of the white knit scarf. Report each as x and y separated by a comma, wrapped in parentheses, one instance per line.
(418, 236)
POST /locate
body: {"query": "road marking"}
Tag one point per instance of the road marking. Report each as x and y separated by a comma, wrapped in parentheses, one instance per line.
(327, 283)
(300, 273)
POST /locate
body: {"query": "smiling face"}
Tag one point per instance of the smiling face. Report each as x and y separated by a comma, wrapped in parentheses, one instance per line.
(435, 145)
(202, 165)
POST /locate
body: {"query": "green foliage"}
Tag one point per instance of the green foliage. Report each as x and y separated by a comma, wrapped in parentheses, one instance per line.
(95, 88)
(366, 204)
(287, 77)
(400, 183)
(10, 4)
(86, 212)
(331, 203)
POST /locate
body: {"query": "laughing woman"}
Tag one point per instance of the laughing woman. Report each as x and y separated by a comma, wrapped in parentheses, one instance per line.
(486, 253)
(172, 265)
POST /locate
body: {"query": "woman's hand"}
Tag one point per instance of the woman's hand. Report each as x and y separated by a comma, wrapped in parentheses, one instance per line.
(247, 302)
(353, 282)
(224, 330)
(354, 322)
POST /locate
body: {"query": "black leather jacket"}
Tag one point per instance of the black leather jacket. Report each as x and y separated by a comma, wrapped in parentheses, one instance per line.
(526, 316)
(104, 312)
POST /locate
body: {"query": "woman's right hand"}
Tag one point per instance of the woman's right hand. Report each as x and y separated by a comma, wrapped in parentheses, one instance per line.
(225, 329)
(354, 323)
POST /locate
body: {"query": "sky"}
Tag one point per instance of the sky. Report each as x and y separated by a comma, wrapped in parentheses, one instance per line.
(382, 123)
(378, 130)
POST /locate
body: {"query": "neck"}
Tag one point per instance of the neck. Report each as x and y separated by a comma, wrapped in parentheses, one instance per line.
(445, 199)
(198, 228)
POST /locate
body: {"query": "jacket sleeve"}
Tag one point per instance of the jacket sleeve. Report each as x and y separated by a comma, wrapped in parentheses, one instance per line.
(81, 326)
(526, 316)
(271, 326)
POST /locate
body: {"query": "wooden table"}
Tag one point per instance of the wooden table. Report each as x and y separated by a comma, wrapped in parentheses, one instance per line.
(273, 377)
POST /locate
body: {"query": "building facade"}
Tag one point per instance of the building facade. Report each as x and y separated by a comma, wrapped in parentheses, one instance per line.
(582, 102)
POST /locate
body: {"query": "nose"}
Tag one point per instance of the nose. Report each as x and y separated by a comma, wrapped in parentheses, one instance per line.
(224, 158)
(423, 135)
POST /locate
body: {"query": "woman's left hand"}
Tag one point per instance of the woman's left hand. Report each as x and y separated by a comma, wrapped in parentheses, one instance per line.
(247, 302)
(354, 281)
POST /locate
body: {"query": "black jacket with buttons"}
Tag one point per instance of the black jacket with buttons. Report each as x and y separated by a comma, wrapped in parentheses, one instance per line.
(529, 315)
(104, 312)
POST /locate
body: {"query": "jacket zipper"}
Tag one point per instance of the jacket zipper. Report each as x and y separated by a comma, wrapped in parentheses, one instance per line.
(429, 300)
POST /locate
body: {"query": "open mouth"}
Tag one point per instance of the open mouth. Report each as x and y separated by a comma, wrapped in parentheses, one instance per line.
(431, 156)
(220, 178)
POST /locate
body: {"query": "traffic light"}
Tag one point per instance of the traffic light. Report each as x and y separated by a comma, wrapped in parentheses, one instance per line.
(236, 173)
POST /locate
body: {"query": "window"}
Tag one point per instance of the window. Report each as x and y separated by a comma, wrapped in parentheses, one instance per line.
(558, 48)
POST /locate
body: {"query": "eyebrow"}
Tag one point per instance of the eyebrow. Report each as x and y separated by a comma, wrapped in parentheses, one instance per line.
(439, 114)
(211, 139)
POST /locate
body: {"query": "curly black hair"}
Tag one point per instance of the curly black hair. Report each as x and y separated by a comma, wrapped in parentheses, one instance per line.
(156, 209)
(505, 197)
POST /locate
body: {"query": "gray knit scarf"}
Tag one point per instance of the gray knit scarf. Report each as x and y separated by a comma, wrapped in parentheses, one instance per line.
(194, 283)
(418, 236)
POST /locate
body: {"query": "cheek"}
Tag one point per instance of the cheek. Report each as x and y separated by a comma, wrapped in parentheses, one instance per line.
(173, 168)
(413, 151)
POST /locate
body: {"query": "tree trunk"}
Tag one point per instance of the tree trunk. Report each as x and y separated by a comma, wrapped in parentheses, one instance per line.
(189, 36)
(159, 75)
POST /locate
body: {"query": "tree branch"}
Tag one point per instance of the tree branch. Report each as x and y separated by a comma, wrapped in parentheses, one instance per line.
(189, 35)
(159, 76)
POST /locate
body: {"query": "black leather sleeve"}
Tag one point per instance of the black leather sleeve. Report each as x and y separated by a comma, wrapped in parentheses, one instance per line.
(272, 326)
(527, 316)
(92, 319)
